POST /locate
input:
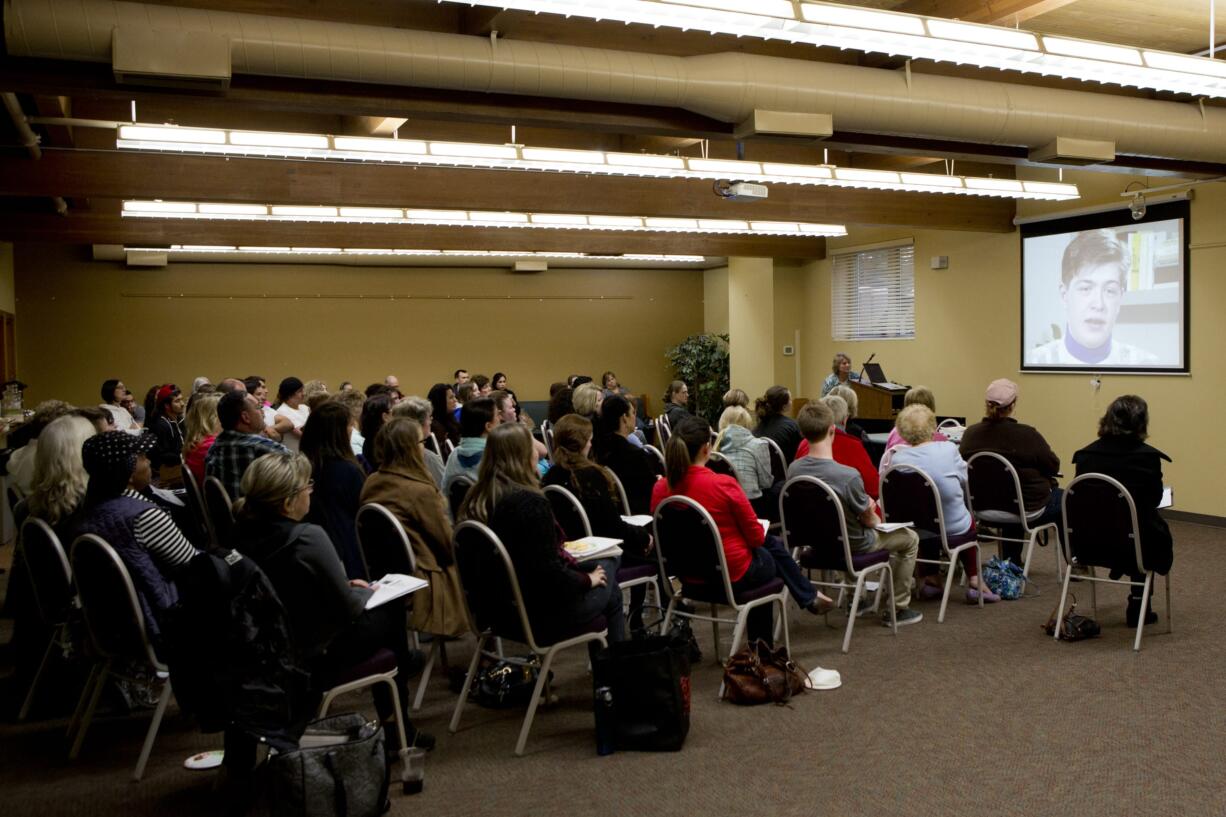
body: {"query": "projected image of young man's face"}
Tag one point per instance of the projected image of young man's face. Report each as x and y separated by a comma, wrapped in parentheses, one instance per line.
(1092, 303)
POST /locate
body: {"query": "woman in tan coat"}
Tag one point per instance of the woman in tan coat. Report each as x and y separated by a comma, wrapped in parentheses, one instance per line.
(403, 486)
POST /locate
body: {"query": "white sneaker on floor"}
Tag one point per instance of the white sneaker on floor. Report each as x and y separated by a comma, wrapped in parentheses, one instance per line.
(825, 679)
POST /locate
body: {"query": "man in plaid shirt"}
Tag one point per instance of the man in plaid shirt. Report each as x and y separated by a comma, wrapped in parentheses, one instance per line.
(241, 441)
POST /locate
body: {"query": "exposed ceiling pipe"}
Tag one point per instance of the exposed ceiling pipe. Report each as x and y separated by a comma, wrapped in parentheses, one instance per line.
(29, 139)
(727, 87)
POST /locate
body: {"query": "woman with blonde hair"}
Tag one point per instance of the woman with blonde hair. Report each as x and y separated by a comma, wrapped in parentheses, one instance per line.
(751, 458)
(57, 494)
(560, 593)
(736, 397)
(404, 486)
(203, 426)
(587, 399)
(921, 396)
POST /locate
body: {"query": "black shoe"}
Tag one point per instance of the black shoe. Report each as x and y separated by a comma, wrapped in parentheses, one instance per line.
(1134, 613)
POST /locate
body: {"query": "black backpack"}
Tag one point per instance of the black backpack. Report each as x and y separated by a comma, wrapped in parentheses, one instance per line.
(232, 660)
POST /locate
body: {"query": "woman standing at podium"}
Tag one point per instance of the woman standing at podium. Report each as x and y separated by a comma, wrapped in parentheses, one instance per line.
(840, 373)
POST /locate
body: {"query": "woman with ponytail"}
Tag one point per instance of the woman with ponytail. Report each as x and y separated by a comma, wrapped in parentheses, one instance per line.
(753, 557)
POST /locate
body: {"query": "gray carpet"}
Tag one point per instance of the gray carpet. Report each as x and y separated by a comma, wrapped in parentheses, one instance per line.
(979, 714)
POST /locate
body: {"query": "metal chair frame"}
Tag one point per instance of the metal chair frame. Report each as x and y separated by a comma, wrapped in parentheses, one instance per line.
(996, 518)
(60, 633)
(1070, 559)
(195, 501)
(388, 678)
(885, 580)
(218, 505)
(545, 654)
(659, 455)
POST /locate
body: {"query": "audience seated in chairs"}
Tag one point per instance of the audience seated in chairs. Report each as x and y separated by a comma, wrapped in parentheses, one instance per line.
(166, 423)
(941, 461)
(338, 482)
(1025, 449)
(203, 426)
(753, 558)
(774, 420)
(142, 533)
(615, 448)
(477, 419)
(574, 470)
(816, 420)
(422, 412)
(353, 401)
(403, 486)
(676, 402)
(240, 442)
(848, 450)
(291, 404)
(508, 412)
(924, 396)
(332, 629)
(750, 457)
(560, 593)
(444, 424)
(1122, 453)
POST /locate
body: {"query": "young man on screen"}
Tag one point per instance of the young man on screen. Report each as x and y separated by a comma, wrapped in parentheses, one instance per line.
(1093, 279)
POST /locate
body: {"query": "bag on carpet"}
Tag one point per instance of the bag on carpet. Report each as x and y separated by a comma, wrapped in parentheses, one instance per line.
(338, 770)
(761, 674)
(505, 683)
(1004, 578)
(1074, 626)
(649, 682)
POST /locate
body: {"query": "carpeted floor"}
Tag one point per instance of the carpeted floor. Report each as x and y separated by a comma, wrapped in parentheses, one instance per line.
(981, 714)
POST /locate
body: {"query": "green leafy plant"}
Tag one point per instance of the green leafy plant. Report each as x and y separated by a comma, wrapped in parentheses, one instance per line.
(702, 362)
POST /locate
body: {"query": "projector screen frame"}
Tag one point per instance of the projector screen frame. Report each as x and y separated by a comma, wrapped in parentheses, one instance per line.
(1115, 217)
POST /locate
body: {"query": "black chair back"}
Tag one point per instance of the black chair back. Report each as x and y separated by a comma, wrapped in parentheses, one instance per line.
(431, 443)
(1100, 525)
(448, 449)
(812, 517)
(663, 429)
(568, 511)
(688, 541)
(112, 612)
(220, 511)
(909, 495)
(657, 460)
(50, 574)
(779, 462)
(721, 465)
(993, 486)
(547, 436)
(487, 581)
(195, 503)
(384, 545)
(456, 493)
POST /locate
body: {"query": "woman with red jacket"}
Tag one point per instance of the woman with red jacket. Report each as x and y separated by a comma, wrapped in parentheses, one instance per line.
(753, 558)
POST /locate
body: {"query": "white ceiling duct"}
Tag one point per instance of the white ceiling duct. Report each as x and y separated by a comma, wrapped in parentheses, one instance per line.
(727, 87)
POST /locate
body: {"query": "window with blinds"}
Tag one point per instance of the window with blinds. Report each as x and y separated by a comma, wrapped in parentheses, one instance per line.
(873, 293)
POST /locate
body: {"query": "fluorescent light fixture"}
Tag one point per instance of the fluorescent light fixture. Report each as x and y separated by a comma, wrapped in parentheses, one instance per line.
(176, 134)
(476, 218)
(235, 209)
(279, 140)
(907, 35)
(212, 249)
(518, 157)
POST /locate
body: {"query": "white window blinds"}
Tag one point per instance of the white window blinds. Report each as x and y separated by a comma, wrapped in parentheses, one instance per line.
(873, 293)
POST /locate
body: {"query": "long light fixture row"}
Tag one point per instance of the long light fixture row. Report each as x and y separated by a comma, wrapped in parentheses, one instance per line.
(204, 249)
(518, 157)
(911, 35)
(471, 218)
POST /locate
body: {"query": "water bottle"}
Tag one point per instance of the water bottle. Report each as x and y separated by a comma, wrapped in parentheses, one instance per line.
(603, 705)
(415, 766)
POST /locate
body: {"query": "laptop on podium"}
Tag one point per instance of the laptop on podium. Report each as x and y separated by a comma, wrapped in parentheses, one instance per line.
(877, 377)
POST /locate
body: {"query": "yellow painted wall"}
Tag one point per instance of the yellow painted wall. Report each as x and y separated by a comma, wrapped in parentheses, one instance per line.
(83, 321)
(751, 334)
(789, 318)
(967, 327)
(8, 299)
(715, 300)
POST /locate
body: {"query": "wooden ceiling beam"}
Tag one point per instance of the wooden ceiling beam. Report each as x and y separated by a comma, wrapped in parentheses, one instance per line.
(92, 228)
(114, 174)
(991, 12)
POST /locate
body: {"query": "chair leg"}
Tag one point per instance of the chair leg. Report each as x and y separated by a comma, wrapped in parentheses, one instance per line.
(152, 734)
(1068, 575)
(398, 717)
(468, 682)
(949, 583)
(1094, 593)
(979, 564)
(1034, 534)
(1168, 601)
(86, 691)
(783, 616)
(435, 645)
(99, 684)
(715, 634)
(42, 665)
(1149, 582)
(532, 705)
(668, 614)
(852, 609)
(888, 572)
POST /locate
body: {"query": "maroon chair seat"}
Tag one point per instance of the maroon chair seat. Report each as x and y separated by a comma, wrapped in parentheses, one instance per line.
(629, 573)
(714, 592)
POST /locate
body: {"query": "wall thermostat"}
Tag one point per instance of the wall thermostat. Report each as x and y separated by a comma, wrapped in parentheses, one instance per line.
(788, 351)
(940, 262)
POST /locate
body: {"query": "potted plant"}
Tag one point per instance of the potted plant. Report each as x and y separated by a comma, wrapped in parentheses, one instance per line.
(702, 362)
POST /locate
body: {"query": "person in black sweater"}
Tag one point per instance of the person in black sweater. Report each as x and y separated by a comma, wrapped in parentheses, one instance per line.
(637, 469)
(774, 422)
(338, 482)
(166, 423)
(676, 402)
(560, 593)
(1121, 452)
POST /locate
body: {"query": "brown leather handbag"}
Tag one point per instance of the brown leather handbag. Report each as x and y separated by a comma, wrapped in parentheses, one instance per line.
(761, 674)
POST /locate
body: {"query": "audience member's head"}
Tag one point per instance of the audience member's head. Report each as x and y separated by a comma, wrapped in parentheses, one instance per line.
(151, 398)
(477, 417)
(46, 413)
(678, 393)
(816, 421)
(922, 395)
(736, 416)
(483, 384)
(736, 397)
(579, 379)
(352, 400)
(840, 365)
(391, 381)
(375, 412)
(230, 384)
(60, 478)
(504, 406)
(255, 385)
(586, 399)
(199, 383)
(239, 411)
(291, 392)
(849, 397)
(838, 408)
(774, 403)
(202, 420)
(112, 392)
(325, 436)
(442, 400)
(346, 385)
(508, 464)
(168, 402)
(616, 416)
(461, 376)
(572, 447)
(417, 409)
(554, 388)
(498, 382)
(115, 461)
(608, 381)
(561, 404)
(1127, 416)
(1000, 399)
(689, 444)
(276, 485)
(916, 424)
(314, 393)
(398, 445)
(101, 419)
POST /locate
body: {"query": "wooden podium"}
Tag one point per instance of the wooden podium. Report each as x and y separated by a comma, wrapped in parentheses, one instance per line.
(877, 403)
